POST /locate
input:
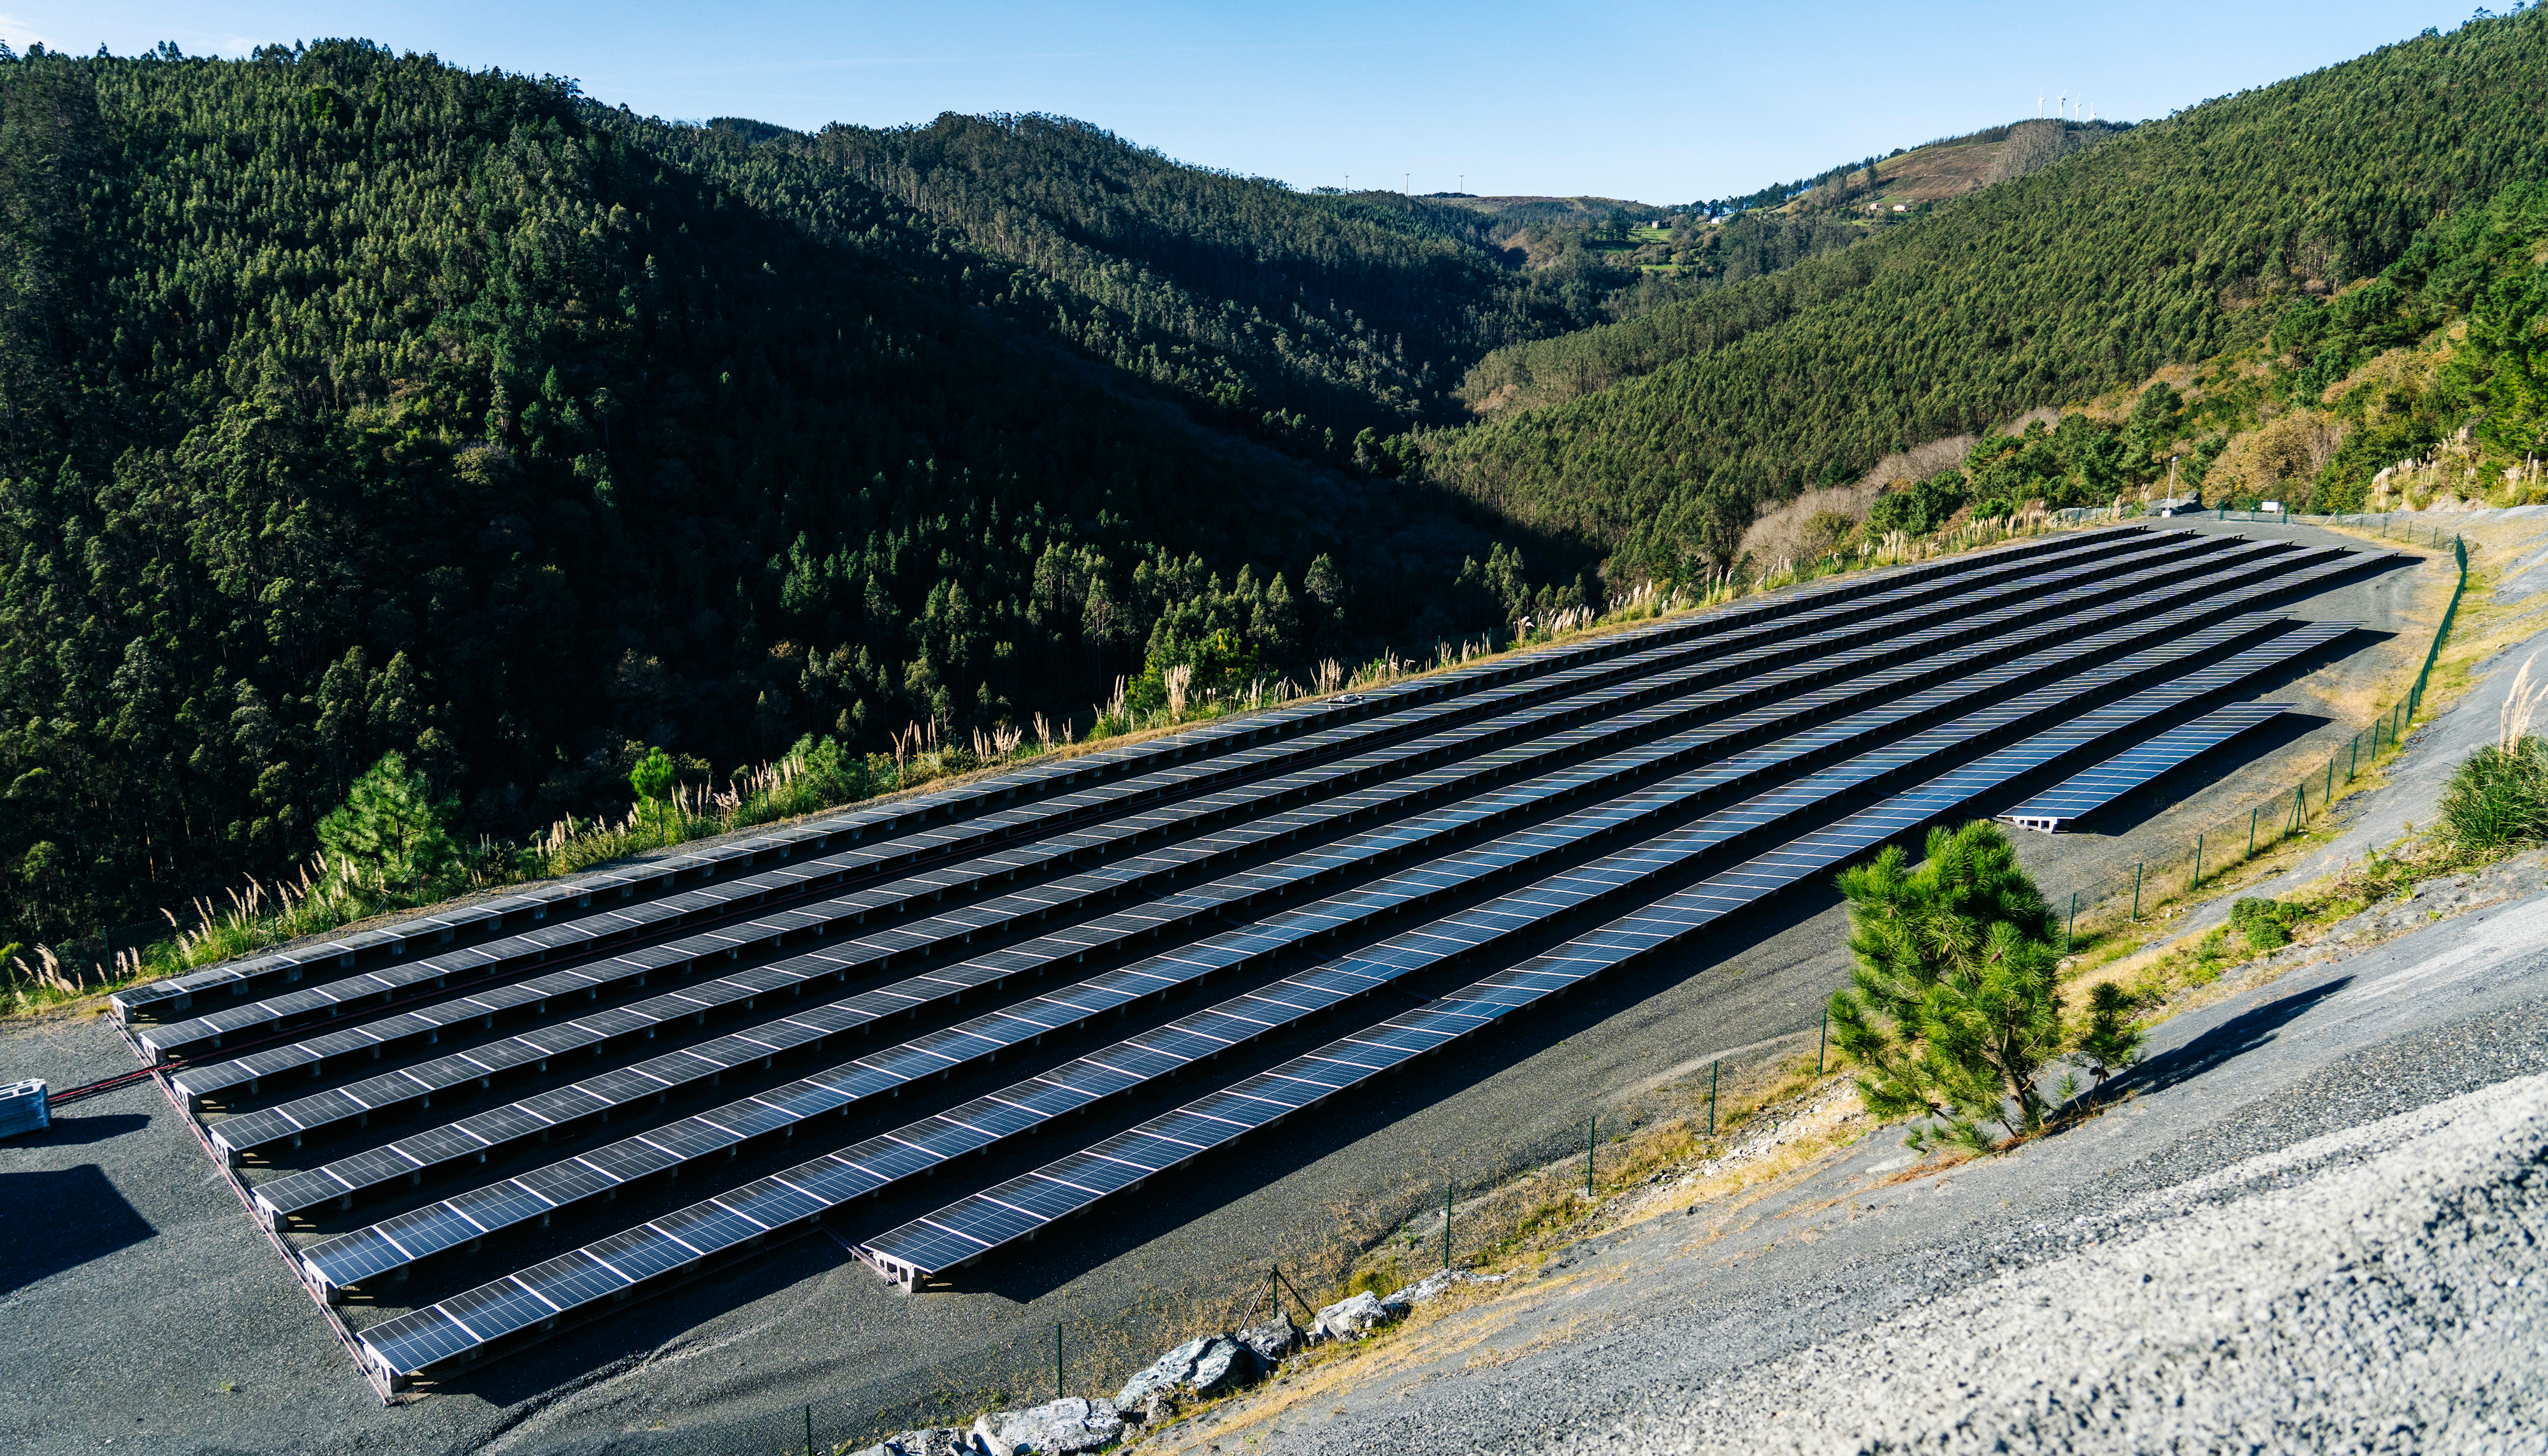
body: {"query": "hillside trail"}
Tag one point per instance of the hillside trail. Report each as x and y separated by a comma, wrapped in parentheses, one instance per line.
(2299, 1224)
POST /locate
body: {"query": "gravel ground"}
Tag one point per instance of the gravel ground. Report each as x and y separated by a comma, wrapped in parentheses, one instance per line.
(2360, 1141)
(152, 1327)
(2371, 1298)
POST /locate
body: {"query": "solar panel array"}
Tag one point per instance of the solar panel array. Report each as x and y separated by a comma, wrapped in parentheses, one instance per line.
(470, 1141)
(349, 1259)
(408, 1121)
(2091, 790)
(669, 1246)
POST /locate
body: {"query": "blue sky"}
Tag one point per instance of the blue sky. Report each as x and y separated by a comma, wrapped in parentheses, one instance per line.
(1658, 102)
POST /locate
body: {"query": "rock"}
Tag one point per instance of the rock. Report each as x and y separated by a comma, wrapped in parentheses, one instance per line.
(934, 1441)
(1206, 1367)
(1434, 1285)
(1059, 1427)
(1355, 1317)
(987, 1440)
(1272, 1341)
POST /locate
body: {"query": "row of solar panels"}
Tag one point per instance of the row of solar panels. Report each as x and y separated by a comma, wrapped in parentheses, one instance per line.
(978, 1224)
(1726, 655)
(666, 1249)
(2093, 788)
(1032, 781)
(347, 1259)
(305, 1190)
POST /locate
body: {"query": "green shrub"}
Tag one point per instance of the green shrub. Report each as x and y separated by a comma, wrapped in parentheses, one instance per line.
(2261, 921)
(2497, 798)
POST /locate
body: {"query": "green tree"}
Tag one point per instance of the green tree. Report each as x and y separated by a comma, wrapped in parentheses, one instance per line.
(1956, 1012)
(653, 779)
(392, 828)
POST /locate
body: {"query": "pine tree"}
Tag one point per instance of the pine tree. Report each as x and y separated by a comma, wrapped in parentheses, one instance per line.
(1957, 1011)
(392, 828)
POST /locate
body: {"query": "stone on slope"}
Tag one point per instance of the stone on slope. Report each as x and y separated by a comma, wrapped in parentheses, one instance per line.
(1206, 1366)
(1059, 1427)
(1273, 1340)
(1355, 1317)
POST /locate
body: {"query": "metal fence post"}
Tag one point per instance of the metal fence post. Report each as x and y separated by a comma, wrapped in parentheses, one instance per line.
(809, 1430)
(1713, 1068)
(1591, 1136)
(1824, 1045)
(2136, 893)
(1447, 1187)
(1056, 1359)
(2198, 862)
(2071, 924)
(2251, 830)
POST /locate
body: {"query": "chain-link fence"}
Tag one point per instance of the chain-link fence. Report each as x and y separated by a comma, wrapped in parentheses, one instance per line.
(2290, 810)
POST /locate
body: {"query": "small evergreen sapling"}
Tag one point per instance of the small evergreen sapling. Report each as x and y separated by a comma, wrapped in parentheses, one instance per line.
(653, 780)
(1956, 1011)
(392, 828)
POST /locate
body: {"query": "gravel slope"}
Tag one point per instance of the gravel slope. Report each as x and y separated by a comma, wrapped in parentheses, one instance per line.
(2333, 1182)
(2380, 1295)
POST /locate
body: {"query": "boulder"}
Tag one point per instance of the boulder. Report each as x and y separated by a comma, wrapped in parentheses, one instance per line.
(934, 1440)
(1059, 1427)
(1272, 1341)
(1203, 1367)
(987, 1441)
(1355, 1317)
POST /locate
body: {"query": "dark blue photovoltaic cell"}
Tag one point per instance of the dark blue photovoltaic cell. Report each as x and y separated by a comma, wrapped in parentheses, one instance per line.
(497, 1309)
(707, 1227)
(417, 1342)
(640, 1252)
(571, 1279)
(833, 1180)
(944, 1247)
(987, 1220)
(1039, 1196)
(1091, 1171)
(771, 1203)
(889, 1159)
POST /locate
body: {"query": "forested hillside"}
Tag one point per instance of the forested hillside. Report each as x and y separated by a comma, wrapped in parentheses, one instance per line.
(349, 402)
(1305, 317)
(2165, 245)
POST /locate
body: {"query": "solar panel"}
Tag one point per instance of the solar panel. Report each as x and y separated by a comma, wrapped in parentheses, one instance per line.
(2093, 788)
